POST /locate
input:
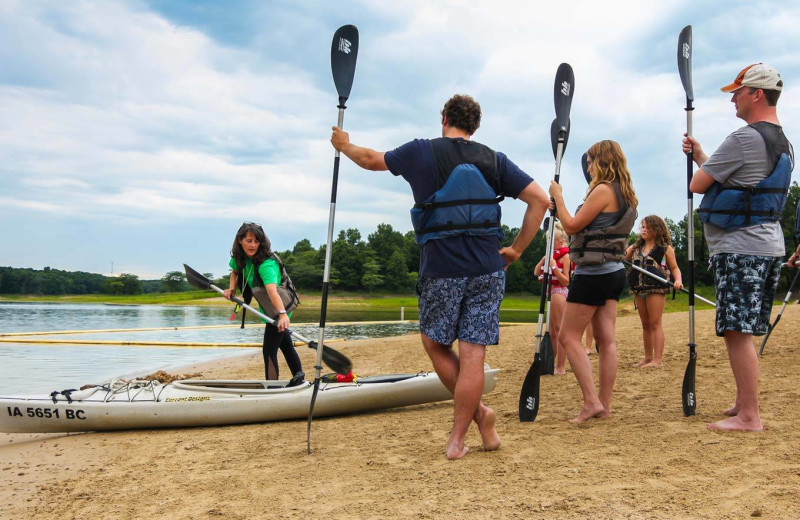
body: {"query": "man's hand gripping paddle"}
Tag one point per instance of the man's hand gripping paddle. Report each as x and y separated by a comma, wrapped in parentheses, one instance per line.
(563, 91)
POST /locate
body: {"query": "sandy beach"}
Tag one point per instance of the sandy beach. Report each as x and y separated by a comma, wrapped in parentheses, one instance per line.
(647, 461)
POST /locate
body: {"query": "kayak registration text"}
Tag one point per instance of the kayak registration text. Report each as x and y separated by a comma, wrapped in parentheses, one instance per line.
(46, 413)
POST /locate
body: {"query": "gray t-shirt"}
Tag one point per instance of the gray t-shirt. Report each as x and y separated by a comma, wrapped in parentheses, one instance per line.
(742, 160)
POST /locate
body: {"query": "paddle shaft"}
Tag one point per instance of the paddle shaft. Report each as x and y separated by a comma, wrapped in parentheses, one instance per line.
(664, 280)
(778, 317)
(329, 249)
(265, 317)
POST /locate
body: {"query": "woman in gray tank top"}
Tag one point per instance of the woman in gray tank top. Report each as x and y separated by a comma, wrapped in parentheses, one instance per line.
(600, 228)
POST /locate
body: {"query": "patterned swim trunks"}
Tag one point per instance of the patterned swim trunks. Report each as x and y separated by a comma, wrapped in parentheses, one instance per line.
(745, 289)
(465, 308)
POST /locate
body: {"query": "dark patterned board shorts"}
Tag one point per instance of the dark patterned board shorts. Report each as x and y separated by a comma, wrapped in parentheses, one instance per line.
(464, 308)
(745, 289)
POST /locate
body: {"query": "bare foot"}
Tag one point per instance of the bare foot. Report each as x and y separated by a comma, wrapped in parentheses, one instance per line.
(652, 364)
(491, 440)
(641, 363)
(588, 352)
(456, 453)
(736, 424)
(732, 411)
(589, 412)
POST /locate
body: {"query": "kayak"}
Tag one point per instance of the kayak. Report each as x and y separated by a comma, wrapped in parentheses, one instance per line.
(135, 404)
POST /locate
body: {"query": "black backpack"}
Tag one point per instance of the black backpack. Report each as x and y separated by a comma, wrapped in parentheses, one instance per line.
(286, 290)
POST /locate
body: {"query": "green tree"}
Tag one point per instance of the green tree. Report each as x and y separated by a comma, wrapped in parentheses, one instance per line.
(396, 277)
(303, 246)
(384, 242)
(348, 256)
(173, 281)
(371, 278)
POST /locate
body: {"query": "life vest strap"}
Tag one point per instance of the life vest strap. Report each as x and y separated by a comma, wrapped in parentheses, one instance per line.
(461, 202)
(450, 227)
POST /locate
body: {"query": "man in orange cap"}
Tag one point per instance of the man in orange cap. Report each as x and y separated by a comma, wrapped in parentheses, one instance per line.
(745, 182)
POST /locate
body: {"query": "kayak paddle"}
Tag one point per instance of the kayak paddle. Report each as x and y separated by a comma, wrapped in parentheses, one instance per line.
(562, 92)
(333, 358)
(664, 280)
(689, 397)
(344, 51)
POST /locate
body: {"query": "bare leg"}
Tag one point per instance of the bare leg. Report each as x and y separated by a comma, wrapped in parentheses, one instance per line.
(604, 321)
(448, 367)
(576, 317)
(558, 303)
(589, 338)
(655, 310)
(744, 364)
(644, 316)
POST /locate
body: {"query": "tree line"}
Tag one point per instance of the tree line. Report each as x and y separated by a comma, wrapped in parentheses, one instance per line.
(387, 261)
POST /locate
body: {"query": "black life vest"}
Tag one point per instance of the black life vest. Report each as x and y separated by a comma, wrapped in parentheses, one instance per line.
(652, 262)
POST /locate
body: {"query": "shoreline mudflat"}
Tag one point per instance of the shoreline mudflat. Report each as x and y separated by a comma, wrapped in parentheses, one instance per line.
(646, 461)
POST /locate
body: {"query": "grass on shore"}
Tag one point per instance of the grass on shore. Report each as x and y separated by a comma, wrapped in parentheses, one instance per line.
(343, 301)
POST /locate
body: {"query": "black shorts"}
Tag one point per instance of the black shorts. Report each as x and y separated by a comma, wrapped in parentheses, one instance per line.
(596, 289)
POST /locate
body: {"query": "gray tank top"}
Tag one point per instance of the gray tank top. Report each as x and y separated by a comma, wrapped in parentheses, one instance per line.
(602, 220)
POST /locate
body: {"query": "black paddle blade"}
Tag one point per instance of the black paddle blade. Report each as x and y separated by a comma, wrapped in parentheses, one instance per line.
(689, 397)
(344, 51)
(529, 396)
(585, 168)
(337, 361)
(546, 223)
(562, 92)
(196, 279)
(685, 61)
(554, 131)
(548, 356)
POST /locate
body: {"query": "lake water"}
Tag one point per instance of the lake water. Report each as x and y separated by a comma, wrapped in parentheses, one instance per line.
(45, 366)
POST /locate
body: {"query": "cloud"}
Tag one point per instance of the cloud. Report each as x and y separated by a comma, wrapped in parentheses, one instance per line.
(163, 121)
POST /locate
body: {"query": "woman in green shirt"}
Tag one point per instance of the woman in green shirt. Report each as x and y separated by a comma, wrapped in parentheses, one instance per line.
(253, 264)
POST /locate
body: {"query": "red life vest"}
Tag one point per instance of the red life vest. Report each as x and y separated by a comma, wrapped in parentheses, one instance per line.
(557, 255)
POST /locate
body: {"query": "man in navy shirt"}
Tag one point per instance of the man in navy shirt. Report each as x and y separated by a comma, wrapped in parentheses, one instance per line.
(457, 186)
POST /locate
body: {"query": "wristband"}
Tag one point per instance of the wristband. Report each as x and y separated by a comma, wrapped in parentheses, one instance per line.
(282, 312)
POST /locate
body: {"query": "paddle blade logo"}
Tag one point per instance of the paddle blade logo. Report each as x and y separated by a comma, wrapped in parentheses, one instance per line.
(565, 88)
(690, 399)
(344, 45)
(530, 403)
(686, 52)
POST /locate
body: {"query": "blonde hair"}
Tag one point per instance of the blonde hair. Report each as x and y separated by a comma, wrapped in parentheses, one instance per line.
(609, 165)
(559, 232)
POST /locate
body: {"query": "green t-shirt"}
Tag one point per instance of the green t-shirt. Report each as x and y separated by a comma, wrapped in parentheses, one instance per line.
(269, 271)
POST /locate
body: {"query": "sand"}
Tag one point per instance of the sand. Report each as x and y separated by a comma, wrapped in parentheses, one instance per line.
(647, 461)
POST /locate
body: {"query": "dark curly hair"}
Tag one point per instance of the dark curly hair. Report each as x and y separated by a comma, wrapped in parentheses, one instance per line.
(264, 245)
(658, 229)
(462, 112)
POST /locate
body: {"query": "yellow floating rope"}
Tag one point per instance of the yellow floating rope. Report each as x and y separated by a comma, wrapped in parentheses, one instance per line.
(138, 343)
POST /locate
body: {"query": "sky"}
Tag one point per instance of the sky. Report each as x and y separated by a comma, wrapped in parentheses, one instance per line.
(137, 135)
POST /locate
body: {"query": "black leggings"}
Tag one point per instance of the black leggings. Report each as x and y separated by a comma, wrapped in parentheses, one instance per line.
(274, 340)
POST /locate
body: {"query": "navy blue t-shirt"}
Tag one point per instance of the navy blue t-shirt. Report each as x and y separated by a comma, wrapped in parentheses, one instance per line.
(461, 255)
